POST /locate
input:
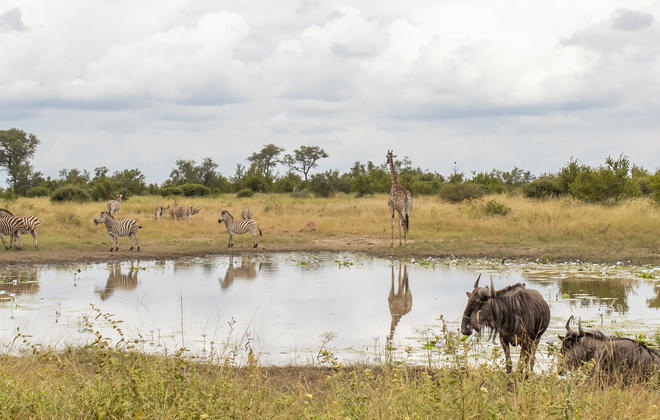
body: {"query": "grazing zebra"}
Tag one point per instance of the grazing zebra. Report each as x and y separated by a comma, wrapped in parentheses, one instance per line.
(248, 225)
(246, 213)
(114, 205)
(11, 226)
(31, 224)
(184, 211)
(117, 228)
(5, 213)
(160, 211)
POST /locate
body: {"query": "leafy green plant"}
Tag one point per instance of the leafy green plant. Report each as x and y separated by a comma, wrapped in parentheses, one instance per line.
(70, 193)
(457, 192)
(245, 193)
(495, 208)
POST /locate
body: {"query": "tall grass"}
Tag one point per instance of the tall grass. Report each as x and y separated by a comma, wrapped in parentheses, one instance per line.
(556, 229)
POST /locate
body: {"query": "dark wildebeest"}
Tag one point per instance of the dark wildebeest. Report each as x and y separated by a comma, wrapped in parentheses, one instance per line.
(612, 355)
(518, 315)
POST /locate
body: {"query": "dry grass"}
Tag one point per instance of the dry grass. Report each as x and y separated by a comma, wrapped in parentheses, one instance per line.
(554, 229)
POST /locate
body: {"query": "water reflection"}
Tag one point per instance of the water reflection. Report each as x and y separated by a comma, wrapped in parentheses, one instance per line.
(612, 294)
(655, 302)
(19, 281)
(400, 301)
(246, 271)
(118, 280)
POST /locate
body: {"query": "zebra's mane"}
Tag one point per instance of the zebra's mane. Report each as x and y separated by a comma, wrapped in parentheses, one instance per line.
(108, 214)
(228, 214)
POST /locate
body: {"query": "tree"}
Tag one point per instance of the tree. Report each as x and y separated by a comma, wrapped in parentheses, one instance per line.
(304, 159)
(16, 150)
(188, 172)
(266, 159)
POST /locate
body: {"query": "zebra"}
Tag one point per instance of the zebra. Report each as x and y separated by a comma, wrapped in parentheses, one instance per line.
(11, 226)
(117, 228)
(31, 225)
(246, 213)
(247, 225)
(181, 211)
(159, 211)
(114, 205)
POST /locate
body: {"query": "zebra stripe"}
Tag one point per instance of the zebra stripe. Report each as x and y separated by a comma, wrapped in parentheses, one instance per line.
(5, 213)
(116, 228)
(239, 227)
(184, 211)
(114, 206)
(11, 226)
(159, 211)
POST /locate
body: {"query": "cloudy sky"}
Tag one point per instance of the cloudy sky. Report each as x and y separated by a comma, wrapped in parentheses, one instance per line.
(124, 83)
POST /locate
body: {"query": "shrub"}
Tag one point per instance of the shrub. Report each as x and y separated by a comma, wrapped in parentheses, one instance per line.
(70, 193)
(246, 192)
(325, 184)
(494, 207)
(546, 186)
(457, 192)
(105, 189)
(195, 190)
(38, 191)
(167, 191)
(605, 184)
(654, 185)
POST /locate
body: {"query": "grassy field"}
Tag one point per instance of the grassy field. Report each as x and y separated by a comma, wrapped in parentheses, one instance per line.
(562, 229)
(106, 380)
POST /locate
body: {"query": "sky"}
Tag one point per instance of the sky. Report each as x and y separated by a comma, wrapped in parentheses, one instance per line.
(453, 84)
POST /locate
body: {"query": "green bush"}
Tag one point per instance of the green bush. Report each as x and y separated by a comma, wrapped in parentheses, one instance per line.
(167, 191)
(606, 184)
(495, 208)
(38, 191)
(246, 192)
(325, 184)
(105, 189)
(70, 193)
(195, 190)
(654, 185)
(8, 194)
(457, 192)
(543, 187)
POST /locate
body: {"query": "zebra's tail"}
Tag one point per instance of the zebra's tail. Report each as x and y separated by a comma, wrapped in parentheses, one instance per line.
(260, 234)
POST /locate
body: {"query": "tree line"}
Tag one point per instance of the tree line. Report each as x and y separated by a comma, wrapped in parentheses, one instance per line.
(609, 183)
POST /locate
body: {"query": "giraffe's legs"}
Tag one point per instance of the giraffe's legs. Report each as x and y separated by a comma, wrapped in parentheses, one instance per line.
(400, 223)
(392, 243)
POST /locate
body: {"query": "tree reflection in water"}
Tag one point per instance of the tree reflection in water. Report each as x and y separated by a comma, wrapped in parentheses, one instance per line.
(610, 293)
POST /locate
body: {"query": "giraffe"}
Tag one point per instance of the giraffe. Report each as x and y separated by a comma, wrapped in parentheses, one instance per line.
(400, 200)
(401, 301)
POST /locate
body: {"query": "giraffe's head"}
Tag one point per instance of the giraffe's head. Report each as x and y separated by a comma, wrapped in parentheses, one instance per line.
(390, 156)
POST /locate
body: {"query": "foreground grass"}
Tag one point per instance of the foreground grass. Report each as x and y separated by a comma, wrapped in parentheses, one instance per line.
(89, 383)
(560, 229)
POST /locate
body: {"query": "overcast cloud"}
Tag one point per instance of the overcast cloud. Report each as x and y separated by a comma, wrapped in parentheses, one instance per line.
(485, 84)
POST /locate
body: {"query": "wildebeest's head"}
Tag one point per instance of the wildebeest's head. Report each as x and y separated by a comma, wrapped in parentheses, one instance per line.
(478, 299)
(572, 337)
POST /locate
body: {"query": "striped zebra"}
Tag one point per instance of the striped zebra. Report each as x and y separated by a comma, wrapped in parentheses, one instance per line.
(246, 213)
(184, 211)
(247, 225)
(159, 211)
(114, 205)
(117, 228)
(31, 224)
(11, 226)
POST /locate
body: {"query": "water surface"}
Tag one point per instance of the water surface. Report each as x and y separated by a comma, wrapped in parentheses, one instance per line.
(280, 305)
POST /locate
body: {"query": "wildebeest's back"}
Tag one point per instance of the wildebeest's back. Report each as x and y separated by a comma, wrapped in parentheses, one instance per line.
(521, 312)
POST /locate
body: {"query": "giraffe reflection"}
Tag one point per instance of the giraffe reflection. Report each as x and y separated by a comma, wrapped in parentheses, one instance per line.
(247, 271)
(400, 302)
(117, 280)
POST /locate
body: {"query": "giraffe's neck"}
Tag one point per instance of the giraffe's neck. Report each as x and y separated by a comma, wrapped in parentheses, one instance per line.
(395, 178)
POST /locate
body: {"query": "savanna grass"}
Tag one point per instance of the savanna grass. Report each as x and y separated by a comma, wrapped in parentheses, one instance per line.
(558, 229)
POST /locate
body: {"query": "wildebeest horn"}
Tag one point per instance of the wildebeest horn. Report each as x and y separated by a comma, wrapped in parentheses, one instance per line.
(476, 283)
(492, 288)
(568, 328)
(580, 330)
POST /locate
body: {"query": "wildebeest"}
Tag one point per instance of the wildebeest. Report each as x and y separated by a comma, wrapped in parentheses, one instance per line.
(612, 355)
(518, 315)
